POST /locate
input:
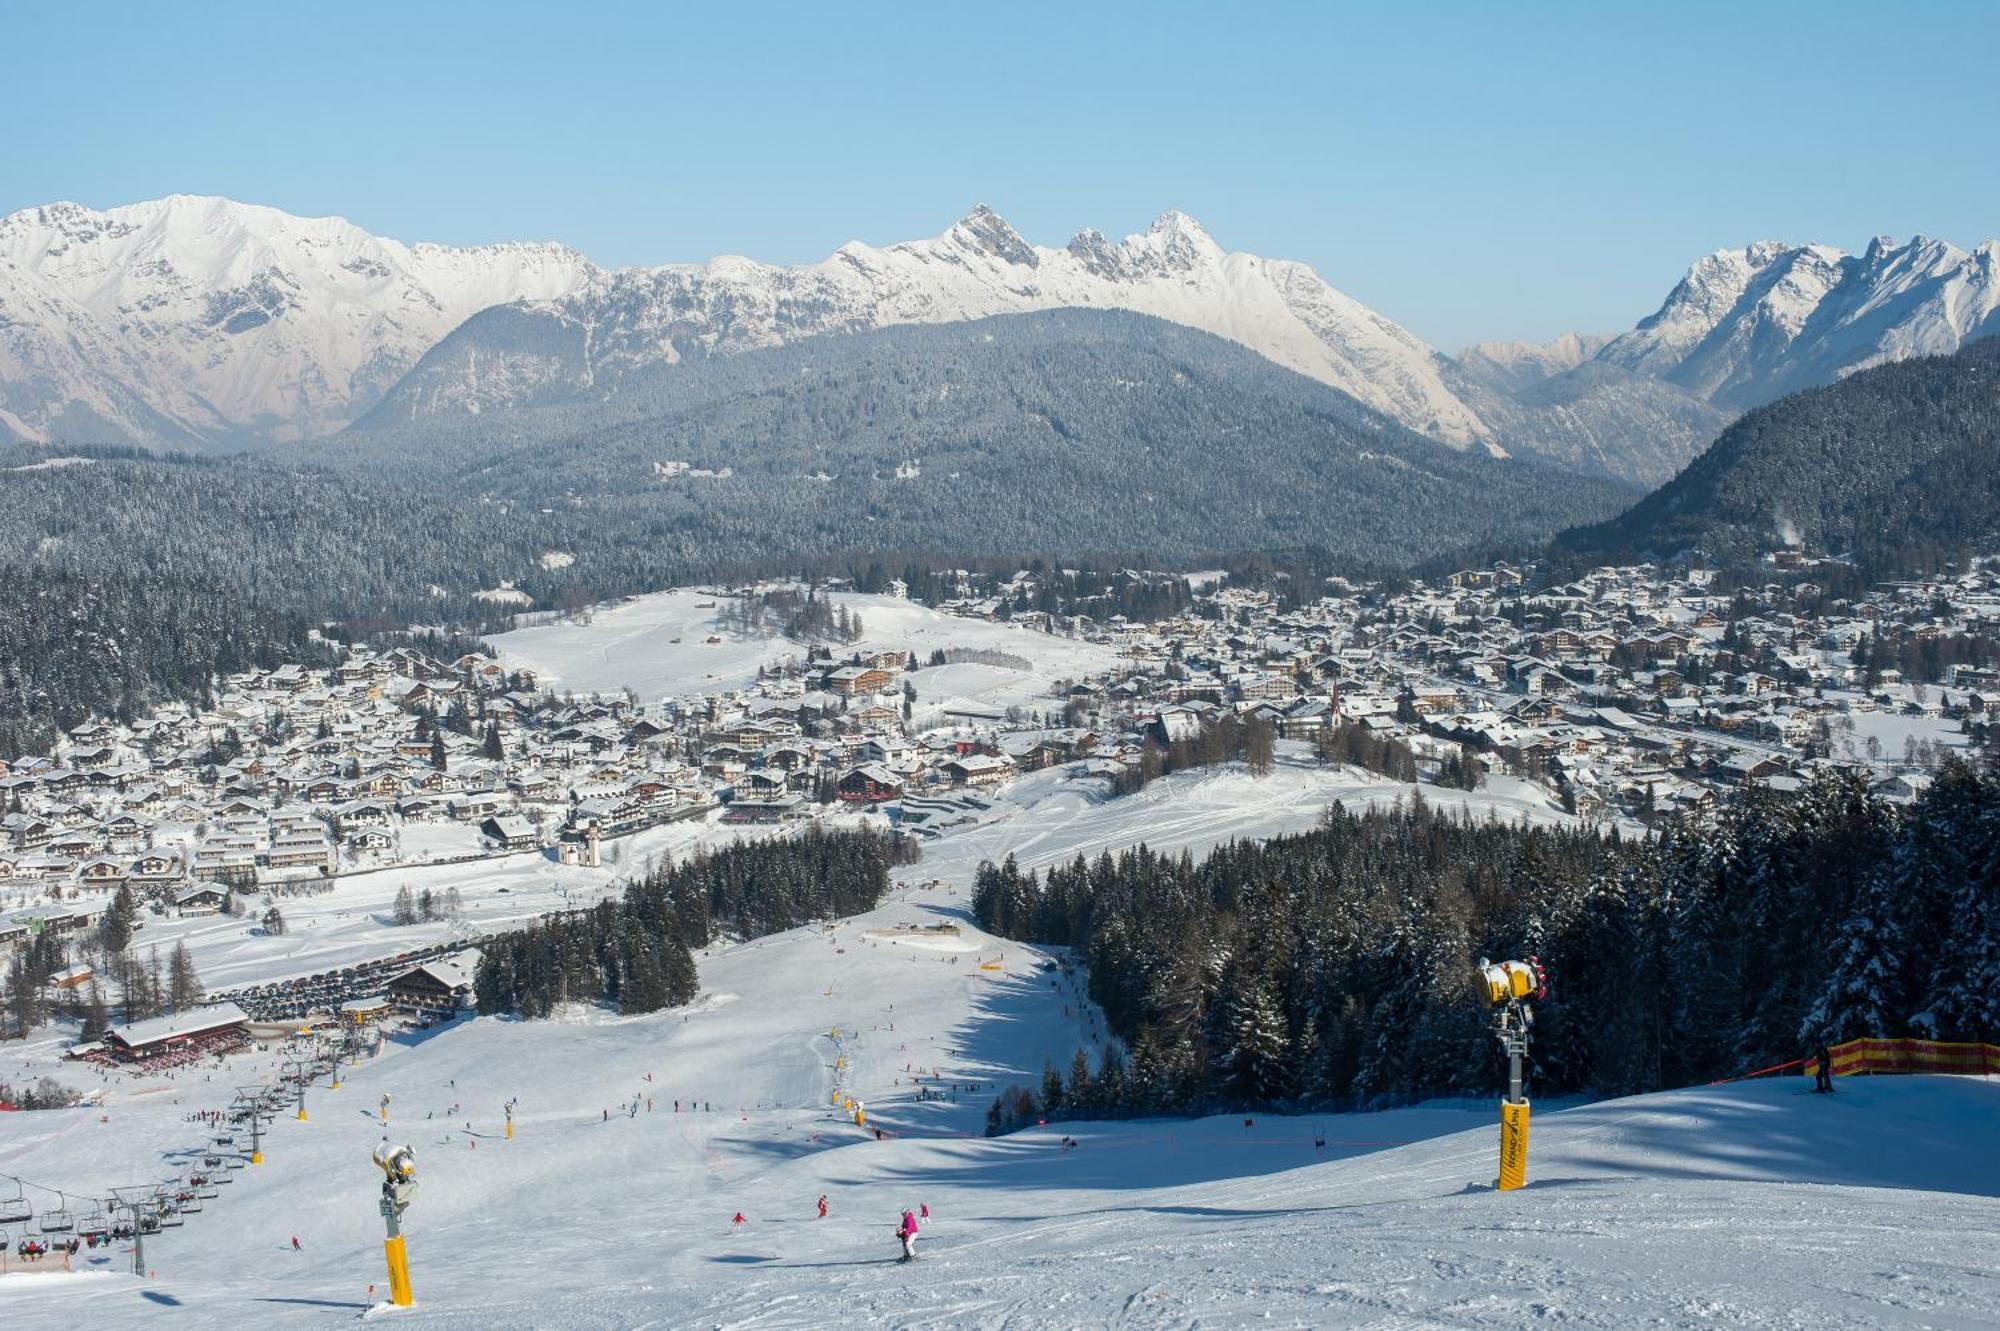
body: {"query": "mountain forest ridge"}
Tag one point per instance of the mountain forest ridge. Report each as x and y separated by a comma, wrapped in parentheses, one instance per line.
(208, 324)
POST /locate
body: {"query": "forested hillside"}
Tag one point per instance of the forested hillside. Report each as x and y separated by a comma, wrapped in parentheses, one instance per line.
(1337, 966)
(1080, 431)
(1895, 466)
(74, 645)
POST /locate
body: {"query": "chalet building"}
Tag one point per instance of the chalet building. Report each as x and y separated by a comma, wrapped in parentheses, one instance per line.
(434, 989)
(201, 899)
(509, 832)
(295, 851)
(977, 769)
(848, 681)
(212, 1029)
(870, 784)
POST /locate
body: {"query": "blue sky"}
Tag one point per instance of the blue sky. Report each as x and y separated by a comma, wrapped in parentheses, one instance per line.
(1471, 170)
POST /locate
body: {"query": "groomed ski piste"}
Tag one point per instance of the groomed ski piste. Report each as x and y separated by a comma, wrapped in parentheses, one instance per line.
(1750, 1204)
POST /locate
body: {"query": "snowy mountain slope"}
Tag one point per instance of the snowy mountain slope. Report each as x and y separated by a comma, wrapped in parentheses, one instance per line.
(195, 320)
(207, 322)
(1756, 1204)
(1590, 416)
(1746, 326)
(1518, 365)
(632, 318)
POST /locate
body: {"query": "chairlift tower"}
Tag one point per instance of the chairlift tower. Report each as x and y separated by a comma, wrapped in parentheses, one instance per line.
(252, 1098)
(138, 1202)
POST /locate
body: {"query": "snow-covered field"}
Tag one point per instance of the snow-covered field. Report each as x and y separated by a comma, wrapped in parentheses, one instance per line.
(1749, 1205)
(658, 645)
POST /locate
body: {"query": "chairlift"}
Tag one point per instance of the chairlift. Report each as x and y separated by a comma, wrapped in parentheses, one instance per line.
(149, 1223)
(15, 1210)
(170, 1217)
(212, 1161)
(96, 1225)
(57, 1222)
(192, 1205)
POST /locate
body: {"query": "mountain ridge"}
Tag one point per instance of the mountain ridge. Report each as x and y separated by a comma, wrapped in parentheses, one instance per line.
(199, 322)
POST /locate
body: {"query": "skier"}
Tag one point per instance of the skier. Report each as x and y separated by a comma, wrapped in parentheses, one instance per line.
(822, 1206)
(295, 1244)
(923, 1210)
(1822, 1069)
(738, 1222)
(907, 1234)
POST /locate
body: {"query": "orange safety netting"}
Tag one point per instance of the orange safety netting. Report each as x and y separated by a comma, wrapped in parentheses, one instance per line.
(1857, 1057)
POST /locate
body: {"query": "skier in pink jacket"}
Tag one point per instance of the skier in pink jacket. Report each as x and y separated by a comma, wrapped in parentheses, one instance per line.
(907, 1232)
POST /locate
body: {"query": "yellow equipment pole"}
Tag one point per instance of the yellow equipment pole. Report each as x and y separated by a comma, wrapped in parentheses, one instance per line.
(399, 1271)
(1513, 1145)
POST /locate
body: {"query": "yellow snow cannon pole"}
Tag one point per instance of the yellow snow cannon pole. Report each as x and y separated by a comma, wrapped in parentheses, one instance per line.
(399, 1271)
(1513, 1145)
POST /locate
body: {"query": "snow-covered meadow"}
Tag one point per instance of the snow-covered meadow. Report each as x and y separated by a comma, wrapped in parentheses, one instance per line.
(658, 645)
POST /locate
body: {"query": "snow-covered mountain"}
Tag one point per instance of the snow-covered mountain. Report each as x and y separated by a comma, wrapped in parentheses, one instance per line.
(1520, 364)
(202, 321)
(979, 267)
(1749, 325)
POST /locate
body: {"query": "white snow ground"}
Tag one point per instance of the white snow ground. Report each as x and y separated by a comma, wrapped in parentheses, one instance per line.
(658, 645)
(1756, 1204)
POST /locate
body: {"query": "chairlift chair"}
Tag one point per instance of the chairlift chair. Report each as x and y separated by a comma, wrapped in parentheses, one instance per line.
(57, 1222)
(149, 1223)
(96, 1225)
(171, 1218)
(15, 1210)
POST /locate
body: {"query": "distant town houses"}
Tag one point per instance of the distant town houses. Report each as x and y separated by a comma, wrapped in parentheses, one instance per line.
(1623, 693)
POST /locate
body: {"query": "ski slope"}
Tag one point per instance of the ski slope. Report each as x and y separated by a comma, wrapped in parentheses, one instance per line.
(1754, 1204)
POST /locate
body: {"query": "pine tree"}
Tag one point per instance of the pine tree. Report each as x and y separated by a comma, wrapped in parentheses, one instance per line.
(1257, 1070)
(183, 985)
(274, 922)
(438, 757)
(1080, 1089)
(1052, 1090)
(114, 931)
(97, 1013)
(493, 747)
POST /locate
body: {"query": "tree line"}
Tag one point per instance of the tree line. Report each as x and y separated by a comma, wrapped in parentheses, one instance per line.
(1334, 969)
(634, 953)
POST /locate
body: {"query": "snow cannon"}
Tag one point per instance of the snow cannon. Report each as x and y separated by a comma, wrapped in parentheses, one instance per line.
(1509, 987)
(399, 1188)
(1512, 981)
